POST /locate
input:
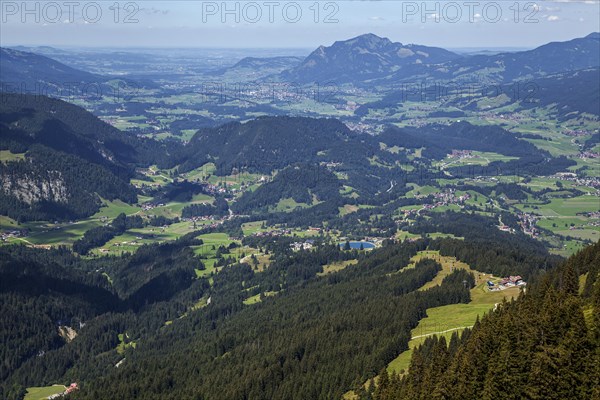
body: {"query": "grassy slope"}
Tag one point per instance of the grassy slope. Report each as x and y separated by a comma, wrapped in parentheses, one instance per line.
(447, 319)
(205, 250)
(39, 393)
(336, 266)
(454, 317)
(7, 156)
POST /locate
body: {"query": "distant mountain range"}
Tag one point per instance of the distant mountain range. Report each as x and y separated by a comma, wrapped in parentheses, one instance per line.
(23, 68)
(42, 50)
(370, 59)
(256, 68)
(365, 60)
(551, 58)
(34, 71)
(268, 62)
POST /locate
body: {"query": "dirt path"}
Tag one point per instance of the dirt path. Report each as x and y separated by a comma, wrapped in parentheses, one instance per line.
(440, 332)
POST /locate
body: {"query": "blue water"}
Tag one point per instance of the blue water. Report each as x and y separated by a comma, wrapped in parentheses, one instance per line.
(356, 245)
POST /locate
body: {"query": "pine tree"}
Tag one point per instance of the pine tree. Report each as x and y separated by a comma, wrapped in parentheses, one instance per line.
(570, 280)
(595, 378)
(383, 385)
(437, 366)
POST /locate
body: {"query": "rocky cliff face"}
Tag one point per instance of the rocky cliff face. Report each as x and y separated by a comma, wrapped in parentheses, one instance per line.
(33, 189)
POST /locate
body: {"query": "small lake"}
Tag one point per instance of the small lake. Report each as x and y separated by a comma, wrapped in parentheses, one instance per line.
(356, 245)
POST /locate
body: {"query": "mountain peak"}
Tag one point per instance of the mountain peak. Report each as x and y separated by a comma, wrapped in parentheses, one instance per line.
(368, 41)
(370, 38)
(363, 57)
(593, 35)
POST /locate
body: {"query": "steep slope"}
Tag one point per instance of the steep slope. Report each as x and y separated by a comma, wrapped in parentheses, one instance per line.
(269, 143)
(80, 132)
(545, 345)
(301, 182)
(70, 158)
(38, 294)
(43, 292)
(316, 338)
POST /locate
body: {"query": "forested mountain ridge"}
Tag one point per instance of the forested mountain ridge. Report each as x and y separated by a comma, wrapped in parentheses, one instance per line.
(70, 129)
(269, 143)
(43, 290)
(303, 183)
(439, 140)
(545, 345)
(70, 158)
(260, 67)
(548, 59)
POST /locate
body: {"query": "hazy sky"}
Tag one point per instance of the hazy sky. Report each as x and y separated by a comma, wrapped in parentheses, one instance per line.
(307, 24)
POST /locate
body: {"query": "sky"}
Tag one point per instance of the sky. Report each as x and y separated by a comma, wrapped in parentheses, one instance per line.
(293, 24)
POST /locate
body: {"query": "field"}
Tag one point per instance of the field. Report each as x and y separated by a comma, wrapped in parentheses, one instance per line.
(238, 181)
(264, 260)
(54, 234)
(251, 228)
(49, 233)
(124, 345)
(40, 393)
(567, 207)
(8, 223)
(288, 205)
(7, 156)
(449, 264)
(208, 254)
(421, 190)
(403, 235)
(480, 158)
(336, 266)
(563, 216)
(256, 298)
(133, 238)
